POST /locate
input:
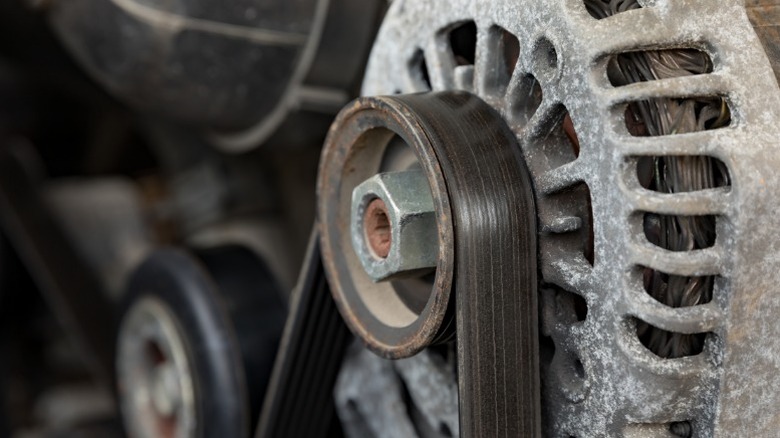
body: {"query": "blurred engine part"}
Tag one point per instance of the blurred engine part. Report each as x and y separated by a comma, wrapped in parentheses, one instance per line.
(655, 241)
(235, 67)
(59, 270)
(104, 220)
(311, 353)
(197, 343)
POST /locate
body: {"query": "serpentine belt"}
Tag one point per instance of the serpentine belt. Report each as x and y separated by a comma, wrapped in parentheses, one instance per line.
(495, 256)
(299, 401)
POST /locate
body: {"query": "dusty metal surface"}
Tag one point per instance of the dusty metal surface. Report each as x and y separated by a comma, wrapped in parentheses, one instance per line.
(406, 398)
(598, 378)
(368, 386)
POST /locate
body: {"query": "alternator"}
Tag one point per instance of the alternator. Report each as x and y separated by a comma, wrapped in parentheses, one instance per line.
(617, 357)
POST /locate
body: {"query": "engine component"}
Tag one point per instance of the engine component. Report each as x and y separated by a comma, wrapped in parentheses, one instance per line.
(394, 225)
(396, 319)
(311, 353)
(407, 398)
(104, 220)
(196, 347)
(548, 68)
(237, 68)
(482, 200)
(156, 379)
(64, 277)
(765, 17)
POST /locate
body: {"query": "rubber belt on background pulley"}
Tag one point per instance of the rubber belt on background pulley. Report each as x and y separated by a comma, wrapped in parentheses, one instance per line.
(299, 400)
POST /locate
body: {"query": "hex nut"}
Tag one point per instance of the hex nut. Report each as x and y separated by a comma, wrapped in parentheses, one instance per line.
(403, 202)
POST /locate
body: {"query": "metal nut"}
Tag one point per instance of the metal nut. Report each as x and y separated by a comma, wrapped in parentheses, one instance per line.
(393, 225)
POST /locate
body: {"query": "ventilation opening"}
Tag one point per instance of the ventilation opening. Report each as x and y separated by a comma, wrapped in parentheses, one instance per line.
(588, 239)
(546, 350)
(419, 69)
(669, 345)
(586, 214)
(682, 429)
(569, 306)
(502, 52)
(600, 9)
(463, 41)
(545, 56)
(667, 115)
(670, 116)
(680, 233)
(510, 50)
(571, 134)
(562, 145)
(651, 65)
(679, 174)
(572, 374)
(676, 290)
(547, 320)
(579, 368)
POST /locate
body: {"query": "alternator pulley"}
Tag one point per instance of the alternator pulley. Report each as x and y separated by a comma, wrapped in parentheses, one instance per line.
(485, 242)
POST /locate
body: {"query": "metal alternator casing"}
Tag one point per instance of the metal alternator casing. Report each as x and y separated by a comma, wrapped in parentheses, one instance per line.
(598, 379)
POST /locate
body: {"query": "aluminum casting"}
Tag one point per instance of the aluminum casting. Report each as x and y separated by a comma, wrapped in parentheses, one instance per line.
(543, 65)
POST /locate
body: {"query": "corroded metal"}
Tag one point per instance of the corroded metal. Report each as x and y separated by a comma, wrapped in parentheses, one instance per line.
(598, 377)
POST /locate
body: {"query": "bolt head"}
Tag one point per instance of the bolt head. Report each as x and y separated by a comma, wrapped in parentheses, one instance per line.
(393, 225)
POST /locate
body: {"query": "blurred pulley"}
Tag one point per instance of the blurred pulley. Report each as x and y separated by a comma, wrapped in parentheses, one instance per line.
(197, 343)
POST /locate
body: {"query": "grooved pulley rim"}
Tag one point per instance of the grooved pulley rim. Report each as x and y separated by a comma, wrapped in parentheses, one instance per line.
(353, 152)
